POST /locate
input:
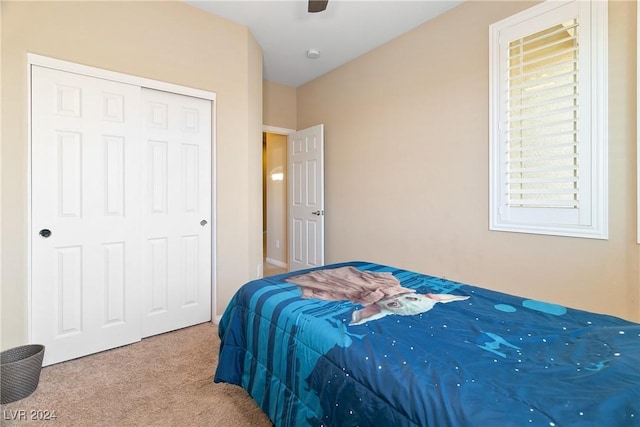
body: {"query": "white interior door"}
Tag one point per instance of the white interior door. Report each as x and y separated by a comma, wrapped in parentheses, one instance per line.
(306, 198)
(85, 229)
(177, 222)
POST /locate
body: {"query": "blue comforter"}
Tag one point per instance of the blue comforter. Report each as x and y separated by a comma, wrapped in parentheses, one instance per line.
(491, 359)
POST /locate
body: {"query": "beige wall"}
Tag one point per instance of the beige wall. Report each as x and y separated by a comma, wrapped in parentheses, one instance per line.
(279, 105)
(167, 41)
(406, 152)
(279, 110)
(254, 166)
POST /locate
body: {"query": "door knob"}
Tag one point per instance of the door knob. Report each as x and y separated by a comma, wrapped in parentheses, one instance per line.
(203, 222)
(45, 233)
(317, 213)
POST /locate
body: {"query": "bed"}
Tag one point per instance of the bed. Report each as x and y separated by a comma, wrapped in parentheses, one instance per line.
(407, 349)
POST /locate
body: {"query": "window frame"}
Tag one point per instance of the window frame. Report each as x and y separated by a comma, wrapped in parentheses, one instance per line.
(593, 214)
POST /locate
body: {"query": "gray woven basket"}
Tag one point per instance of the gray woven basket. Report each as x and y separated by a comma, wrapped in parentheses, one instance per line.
(20, 373)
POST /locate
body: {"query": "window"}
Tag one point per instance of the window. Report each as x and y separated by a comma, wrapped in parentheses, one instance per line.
(548, 120)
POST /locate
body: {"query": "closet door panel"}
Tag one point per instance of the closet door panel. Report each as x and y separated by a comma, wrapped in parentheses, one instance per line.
(85, 214)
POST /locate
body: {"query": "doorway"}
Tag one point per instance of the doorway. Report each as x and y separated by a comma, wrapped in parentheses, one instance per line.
(274, 181)
(293, 185)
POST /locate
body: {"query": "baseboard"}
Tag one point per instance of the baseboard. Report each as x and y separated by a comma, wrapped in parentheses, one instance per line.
(276, 262)
(216, 320)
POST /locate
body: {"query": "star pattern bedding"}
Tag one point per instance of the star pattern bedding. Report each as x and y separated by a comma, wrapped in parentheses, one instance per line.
(466, 357)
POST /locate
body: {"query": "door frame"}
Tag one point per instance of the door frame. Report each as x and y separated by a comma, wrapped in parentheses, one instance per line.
(71, 67)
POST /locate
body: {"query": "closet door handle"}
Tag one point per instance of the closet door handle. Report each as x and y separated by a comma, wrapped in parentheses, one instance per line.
(203, 222)
(45, 233)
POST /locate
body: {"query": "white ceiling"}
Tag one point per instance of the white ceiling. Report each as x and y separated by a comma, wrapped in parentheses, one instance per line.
(345, 30)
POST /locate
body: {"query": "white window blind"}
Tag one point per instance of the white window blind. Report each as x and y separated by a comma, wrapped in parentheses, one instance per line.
(542, 119)
(548, 111)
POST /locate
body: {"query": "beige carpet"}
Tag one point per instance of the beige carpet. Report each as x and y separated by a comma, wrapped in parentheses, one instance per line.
(164, 380)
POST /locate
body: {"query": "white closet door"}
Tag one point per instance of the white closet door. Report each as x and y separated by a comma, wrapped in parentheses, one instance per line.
(86, 215)
(177, 223)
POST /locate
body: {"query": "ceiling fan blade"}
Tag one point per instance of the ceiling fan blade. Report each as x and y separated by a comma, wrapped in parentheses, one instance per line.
(317, 5)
